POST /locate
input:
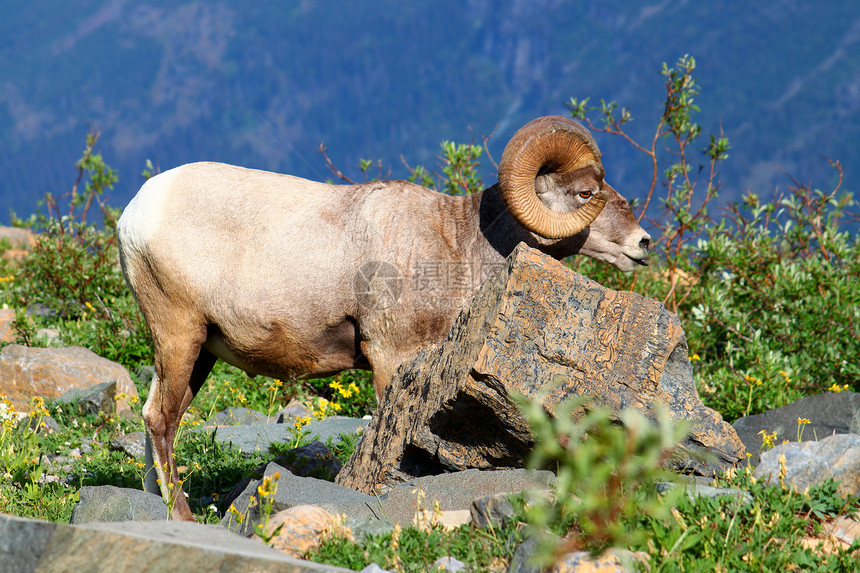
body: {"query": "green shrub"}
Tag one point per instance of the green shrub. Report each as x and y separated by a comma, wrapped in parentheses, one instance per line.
(769, 295)
(73, 272)
(770, 533)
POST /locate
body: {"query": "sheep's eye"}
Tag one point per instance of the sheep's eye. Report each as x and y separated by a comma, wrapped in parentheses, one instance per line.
(586, 194)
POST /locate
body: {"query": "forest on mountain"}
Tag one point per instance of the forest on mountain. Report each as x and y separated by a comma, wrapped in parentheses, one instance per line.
(262, 84)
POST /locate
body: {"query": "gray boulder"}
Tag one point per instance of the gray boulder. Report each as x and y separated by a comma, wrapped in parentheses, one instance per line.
(456, 491)
(236, 416)
(810, 463)
(110, 503)
(133, 444)
(492, 510)
(249, 438)
(312, 460)
(293, 491)
(828, 414)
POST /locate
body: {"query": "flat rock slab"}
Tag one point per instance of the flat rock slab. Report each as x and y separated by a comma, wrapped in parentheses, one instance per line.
(453, 491)
(539, 330)
(828, 414)
(238, 415)
(29, 545)
(257, 437)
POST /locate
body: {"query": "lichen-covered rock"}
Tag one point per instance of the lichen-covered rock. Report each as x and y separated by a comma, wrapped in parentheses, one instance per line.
(538, 329)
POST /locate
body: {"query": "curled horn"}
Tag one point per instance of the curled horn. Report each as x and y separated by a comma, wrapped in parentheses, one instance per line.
(549, 144)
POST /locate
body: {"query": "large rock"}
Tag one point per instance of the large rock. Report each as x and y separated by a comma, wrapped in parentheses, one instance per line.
(828, 414)
(538, 329)
(17, 237)
(27, 372)
(810, 463)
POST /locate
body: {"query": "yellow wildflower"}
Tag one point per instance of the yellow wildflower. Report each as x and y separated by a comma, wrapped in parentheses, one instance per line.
(767, 439)
(269, 485)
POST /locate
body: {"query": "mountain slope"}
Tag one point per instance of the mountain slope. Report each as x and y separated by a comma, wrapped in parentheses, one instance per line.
(262, 84)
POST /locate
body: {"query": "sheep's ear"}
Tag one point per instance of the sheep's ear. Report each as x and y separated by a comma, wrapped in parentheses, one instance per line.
(559, 192)
(552, 193)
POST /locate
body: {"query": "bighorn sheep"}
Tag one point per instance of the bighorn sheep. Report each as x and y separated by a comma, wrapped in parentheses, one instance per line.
(286, 277)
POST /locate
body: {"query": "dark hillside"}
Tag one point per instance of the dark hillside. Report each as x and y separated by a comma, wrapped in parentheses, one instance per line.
(261, 84)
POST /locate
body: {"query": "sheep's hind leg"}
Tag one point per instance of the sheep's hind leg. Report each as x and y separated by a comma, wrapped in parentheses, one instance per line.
(181, 368)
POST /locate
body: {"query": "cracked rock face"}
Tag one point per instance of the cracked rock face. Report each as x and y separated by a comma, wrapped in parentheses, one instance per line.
(538, 329)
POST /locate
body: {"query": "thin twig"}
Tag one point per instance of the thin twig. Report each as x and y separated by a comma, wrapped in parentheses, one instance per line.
(322, 149)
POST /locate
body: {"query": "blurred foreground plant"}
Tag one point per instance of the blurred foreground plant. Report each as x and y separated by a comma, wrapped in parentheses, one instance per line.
(606, 473)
